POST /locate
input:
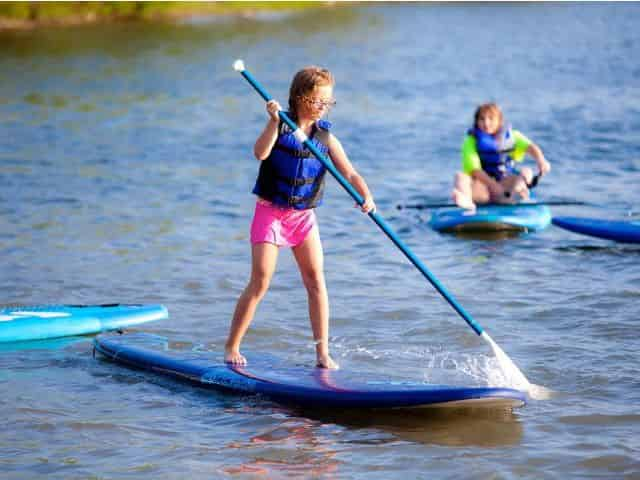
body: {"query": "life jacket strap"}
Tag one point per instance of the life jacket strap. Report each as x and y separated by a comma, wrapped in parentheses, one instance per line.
(297, 182)
(294, 152)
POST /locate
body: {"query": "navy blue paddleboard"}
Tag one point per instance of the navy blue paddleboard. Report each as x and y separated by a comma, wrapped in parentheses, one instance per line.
(492, 218)
(296, 384)
(618, 230)
(38, 322)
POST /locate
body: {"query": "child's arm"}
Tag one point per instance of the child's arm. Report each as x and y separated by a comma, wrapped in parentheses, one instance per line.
(267, 139)
(342, 163)
(524, 145)
(543, 166)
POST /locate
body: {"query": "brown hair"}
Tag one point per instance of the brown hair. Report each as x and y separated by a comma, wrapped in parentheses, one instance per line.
(488, 108)
(305, 81)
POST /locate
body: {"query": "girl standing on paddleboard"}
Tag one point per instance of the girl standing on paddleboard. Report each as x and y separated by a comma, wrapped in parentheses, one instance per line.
(489, 152)
(289, 186)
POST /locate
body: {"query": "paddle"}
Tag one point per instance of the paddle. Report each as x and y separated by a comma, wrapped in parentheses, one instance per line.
(427, 206)
(513, 374)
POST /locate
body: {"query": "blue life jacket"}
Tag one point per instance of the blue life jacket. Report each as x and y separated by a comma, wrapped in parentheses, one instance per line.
(291, 176)
(495, 152)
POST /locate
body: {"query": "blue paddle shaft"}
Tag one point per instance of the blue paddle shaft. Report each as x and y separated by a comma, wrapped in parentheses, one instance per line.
(373, 215)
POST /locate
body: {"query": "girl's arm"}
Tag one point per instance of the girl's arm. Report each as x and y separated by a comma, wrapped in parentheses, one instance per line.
(342, 163)
(267, 139)
(543, 166)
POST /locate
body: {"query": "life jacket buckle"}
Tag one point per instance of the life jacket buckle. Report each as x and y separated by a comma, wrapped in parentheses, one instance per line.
(292, 201)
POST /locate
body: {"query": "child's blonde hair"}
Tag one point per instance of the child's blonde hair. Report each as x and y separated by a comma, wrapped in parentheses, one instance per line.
(488, 108)
(305, 81)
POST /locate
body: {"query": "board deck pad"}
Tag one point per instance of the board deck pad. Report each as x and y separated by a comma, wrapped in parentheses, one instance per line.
(491, 218)
(617, 230)
(39, 322)
(296, 384)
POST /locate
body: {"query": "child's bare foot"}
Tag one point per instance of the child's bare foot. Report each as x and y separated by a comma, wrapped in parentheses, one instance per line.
(325, 361)
(462, 200)
(234, 357)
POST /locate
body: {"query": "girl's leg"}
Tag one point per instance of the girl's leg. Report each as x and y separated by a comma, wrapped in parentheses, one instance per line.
(480, 192)
(263, 264)
(517, 184)
(310, 260)
(462, 191)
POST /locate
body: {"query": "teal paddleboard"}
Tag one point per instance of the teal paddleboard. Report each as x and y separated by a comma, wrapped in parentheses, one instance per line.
(38, 322)
(492, 218)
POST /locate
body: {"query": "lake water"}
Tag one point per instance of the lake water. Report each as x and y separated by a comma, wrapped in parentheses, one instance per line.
(125, 171)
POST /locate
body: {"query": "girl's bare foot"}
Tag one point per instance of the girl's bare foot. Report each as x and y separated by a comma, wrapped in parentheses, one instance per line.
(325, 361)
(234, 357)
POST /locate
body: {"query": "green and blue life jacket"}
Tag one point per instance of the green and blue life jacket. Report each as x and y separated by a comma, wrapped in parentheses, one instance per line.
(495, 152)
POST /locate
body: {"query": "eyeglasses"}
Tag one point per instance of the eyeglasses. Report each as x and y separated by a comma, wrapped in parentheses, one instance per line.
(318, 103)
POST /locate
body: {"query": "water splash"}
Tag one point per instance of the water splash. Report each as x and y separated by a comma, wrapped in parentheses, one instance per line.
(513, 377)
(539, 392)
(440, 366)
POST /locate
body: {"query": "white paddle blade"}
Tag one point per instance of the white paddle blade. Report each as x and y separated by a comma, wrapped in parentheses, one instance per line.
(514, 377)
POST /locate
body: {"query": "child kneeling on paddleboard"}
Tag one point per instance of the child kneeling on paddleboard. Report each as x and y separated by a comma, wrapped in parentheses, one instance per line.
(489, 152)
(289, 186)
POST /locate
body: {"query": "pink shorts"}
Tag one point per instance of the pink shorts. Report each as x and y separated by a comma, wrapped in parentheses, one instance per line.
(284, 227)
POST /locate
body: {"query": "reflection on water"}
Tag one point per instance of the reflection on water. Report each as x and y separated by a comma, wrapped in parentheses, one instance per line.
(607, 247)
(311, 433)
(171, 40)
(481, 427)
(269, 451)
(487, 234)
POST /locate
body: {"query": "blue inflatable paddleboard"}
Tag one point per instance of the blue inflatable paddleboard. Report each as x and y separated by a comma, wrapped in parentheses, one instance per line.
(620, 231)
(492, 218)
(295, 384)
(51, 321)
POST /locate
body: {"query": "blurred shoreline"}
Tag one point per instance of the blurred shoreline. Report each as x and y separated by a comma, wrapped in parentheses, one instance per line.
(15, 16)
